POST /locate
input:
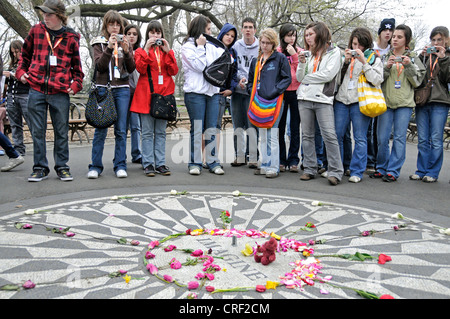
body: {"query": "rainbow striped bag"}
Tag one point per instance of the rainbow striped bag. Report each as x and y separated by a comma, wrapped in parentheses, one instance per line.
(263, 113)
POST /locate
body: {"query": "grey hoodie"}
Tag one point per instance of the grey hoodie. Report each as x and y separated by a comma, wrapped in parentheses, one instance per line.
(245, 55)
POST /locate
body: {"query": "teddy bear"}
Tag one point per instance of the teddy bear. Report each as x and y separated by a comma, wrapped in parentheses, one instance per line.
(265, 254)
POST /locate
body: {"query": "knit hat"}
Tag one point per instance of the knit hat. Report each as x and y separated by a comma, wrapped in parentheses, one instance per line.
(386, 24)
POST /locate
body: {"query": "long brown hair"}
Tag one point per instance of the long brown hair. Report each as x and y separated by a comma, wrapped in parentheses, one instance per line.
(16, 45)
(323, 37)
(110, 17)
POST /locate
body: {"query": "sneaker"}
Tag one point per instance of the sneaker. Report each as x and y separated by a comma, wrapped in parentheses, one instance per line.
(429, 179)
(370, 169)
(39, 174)
(347, 172)
(252, 165)
(92, 174)
(306, 177)
(324, 174)
(13, 162)
(354, 179)
(333, 180)
(163, 170)
(258, 172)
(64, 175)
(137, 161)
(121, 173)
(282, 168)
(2, 153)
(150, 171)
(217, 170)
(293, 168)
(321, 170)
(194, 170)
(389, 178)
(237, 163)
(376, 175)
(271, 174)
(415, 177)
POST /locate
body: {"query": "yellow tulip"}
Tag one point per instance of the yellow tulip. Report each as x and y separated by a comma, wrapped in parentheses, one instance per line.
(275, 236)
(272, 284)
(127, 278)
(248, 251)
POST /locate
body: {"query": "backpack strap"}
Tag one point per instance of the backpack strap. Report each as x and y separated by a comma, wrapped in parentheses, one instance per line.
(215, 41)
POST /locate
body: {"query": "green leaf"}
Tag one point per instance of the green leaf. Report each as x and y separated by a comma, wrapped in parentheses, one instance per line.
(19, 225)
(10, 287)
(367, 295)
(122, 241)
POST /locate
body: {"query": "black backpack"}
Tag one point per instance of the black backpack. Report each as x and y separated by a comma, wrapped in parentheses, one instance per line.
(217, 72)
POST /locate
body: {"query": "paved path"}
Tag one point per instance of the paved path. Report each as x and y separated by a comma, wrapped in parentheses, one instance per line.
(104, 211)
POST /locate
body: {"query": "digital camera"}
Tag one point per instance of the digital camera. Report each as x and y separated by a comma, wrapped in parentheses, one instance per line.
(398, 59)
(353, 53)
(159, 42)
(431, 50)
(306, 54)
(119, 37)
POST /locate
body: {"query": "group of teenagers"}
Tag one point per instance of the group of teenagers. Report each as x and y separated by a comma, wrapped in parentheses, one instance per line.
(318, 84)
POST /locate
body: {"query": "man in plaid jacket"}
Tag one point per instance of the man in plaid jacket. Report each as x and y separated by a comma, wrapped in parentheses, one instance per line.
(51, 64)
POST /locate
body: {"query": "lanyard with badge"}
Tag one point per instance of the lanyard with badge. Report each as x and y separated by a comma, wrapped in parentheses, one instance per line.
(261, 65)
(53, 60)
(116, 59)
(400, 69)
(158, 60)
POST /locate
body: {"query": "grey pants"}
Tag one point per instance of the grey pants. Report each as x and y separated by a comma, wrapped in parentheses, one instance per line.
(325, 117)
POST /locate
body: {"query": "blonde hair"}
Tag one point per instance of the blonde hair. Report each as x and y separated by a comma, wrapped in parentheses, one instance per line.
(272, 36)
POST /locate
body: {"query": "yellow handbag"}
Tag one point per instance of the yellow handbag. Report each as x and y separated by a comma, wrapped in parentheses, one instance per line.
(371, 98)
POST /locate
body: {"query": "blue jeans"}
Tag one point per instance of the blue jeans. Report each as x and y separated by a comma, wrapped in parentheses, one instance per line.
(203, 112)
(241, 125)
(309, 111)
(153, 141)
(58, 105)
(343, 115)
(270, 148)
(134, 125)
(430, 120)
(5, 143)
(17, 108)
(121, 99)
(391, 161)
(291, 105)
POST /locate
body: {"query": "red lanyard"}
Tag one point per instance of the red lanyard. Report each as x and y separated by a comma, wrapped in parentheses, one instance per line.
(50, 42)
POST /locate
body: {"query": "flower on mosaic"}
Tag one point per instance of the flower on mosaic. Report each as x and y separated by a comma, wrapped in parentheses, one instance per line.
(192, 285)
(152, 269)
(170, 248)
(192, 295)
(260, 288)
(209, 288)
(310, 225)
(367, 233)
(175, 264)
(29, 285)
(188, 231)
(445, 231)
(173, 192)
(382, 259)
(236, 193)
(248, 251)
(153, 244)
(22, 226)
(135, 242)
(127, 278)
(149, 255)
(196, 232)
(398, 216)
(197, 253)
(324, 292)
(210, 276)
(319, 203)
(272, 284)
(70, 234)
(168, 278)
(31, 211)
(386, 297)
(277, 237)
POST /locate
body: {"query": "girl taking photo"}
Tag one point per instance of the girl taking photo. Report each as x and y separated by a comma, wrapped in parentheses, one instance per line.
(402, 73)
(157, 57)
(113, 58)
(359, 58)
(317, 72)
(431, 117)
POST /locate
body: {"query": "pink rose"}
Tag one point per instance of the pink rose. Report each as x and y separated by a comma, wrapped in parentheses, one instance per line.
(175, 264)
(152, 269)
(209, 288)
(197, 253)
(29, 285)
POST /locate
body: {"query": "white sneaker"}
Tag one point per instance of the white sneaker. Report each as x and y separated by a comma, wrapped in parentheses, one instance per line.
(194, 170)
(324, 174)
(354, 179)
(218, 170)
(415, 177)
(13, 162)
(121, 173)
(93, 174)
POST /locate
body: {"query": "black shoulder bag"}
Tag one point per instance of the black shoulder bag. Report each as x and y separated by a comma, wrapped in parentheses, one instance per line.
(161, 106)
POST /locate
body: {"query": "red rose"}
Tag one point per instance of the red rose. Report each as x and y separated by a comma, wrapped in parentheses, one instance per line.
(382, 259)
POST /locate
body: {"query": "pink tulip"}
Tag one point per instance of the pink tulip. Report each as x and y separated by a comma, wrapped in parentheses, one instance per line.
(170, 248)
(70, 234)
(210, 276)
(197, 253)
(209, 288)
(135, 242)
(152, 269)
(153, 244)
(175, 264)
(168, 278)
(149, 255)
(192, 285)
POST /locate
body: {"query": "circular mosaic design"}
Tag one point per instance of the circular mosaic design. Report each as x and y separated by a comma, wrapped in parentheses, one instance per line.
(76, 249)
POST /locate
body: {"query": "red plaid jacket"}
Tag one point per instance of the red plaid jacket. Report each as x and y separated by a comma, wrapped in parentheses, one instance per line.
(35, 61)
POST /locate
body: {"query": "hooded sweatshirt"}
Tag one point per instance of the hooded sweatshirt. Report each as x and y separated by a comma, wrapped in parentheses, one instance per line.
(245, 55)
(232, 78)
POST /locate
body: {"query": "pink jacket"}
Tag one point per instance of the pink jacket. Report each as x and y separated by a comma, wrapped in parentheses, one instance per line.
(293, 62)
